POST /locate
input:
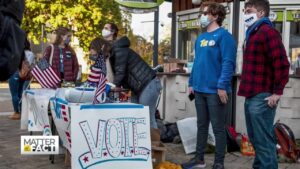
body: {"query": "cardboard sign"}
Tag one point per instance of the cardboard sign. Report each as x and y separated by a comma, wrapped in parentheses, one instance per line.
(61, 117)
(34, 115)
(110, 136)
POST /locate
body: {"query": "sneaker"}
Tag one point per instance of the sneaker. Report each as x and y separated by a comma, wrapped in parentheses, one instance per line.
(218, 166)
(15, 116)
(193, 164)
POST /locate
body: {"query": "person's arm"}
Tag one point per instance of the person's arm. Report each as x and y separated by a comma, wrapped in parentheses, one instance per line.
(75, 66)
(228, 49)
(120, 65)
(190, 85)
(280, 63)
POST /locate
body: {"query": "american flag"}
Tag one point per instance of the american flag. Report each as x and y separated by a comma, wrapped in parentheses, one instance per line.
(94, 75)
(100, 88)
(45, 75)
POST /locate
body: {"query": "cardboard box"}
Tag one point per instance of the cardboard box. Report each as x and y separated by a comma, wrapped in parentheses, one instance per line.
(158, 153)
(171, 67)
(158, 148)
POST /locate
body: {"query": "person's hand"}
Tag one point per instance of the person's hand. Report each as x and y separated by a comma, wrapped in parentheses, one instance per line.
(273, 100)
(223, 96)
(191, 90)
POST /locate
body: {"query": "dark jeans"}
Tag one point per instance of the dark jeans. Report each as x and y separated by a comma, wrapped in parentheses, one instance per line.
(259, 121)
(16, 88)
(209, 108)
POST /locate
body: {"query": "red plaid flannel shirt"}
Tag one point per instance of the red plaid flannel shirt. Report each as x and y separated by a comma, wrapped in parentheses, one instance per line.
(265, 63)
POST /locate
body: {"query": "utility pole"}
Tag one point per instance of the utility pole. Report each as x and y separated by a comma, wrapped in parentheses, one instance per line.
(155, 43)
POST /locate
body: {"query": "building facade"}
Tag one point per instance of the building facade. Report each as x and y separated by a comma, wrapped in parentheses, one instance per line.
(285, 16)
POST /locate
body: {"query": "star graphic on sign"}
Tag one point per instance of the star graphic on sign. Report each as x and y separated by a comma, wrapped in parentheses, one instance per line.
(105, 154)
(85, 159)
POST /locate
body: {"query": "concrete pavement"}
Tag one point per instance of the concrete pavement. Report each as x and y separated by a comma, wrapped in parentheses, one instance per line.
(10, 157)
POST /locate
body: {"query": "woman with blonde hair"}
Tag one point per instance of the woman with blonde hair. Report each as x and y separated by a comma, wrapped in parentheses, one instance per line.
(64, 61)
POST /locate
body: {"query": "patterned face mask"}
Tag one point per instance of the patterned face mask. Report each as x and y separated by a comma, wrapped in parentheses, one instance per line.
(250, 19)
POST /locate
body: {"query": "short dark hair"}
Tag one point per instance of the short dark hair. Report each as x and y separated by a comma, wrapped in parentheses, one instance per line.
(217, 9)
(259, 5)
(114, 28)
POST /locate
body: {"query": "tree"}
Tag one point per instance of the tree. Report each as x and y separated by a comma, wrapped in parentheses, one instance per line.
(85, 17)
(141, 46)
(164, 49)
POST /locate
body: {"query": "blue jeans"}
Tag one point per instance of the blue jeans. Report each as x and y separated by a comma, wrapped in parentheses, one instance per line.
(259, 121)
(148, 97)
(209, 108)
(16, 88)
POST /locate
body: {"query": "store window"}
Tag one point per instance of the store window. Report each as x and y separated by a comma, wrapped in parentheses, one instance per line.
(294, 43)
(186, 43)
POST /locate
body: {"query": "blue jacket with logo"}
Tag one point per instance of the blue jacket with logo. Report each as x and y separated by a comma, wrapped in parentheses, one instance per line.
(215, 60)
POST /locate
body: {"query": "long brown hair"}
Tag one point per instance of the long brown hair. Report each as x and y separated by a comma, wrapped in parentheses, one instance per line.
(114, 28)
(97, 44)
(59, 32)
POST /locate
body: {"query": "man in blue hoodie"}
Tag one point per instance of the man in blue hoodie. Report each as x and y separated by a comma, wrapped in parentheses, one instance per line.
(210, 82)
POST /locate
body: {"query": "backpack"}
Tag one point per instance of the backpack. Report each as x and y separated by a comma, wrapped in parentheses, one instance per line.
(232, 144)
(286, 144)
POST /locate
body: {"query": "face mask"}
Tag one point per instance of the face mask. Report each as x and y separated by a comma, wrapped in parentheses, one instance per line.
(67, 41)
(93, 57)
(204, 21)
(106, 33)
(250, 19)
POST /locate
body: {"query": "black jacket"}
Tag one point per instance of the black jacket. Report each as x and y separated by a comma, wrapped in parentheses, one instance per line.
(13, 8)
(130, 70)
(12, 38)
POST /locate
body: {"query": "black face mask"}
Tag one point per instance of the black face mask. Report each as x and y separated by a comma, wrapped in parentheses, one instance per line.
(93, 57)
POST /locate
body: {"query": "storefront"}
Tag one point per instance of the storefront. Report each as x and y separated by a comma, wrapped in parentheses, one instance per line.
(286, 18)
(188, 27)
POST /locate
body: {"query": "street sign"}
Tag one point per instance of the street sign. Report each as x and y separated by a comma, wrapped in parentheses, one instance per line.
(140, 4)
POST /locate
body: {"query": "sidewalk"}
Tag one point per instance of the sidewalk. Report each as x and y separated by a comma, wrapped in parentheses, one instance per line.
(4, 85)
(10, 157)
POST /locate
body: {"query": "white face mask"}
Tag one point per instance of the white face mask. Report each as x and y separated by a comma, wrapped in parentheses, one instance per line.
(106, 33)
(204, 21)
(250, 19)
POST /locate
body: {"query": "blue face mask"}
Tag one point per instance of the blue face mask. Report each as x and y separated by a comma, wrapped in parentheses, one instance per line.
(67, 41)
(204, 21)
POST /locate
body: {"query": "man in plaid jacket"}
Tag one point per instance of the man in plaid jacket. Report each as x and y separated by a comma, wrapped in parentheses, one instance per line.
(264, 76)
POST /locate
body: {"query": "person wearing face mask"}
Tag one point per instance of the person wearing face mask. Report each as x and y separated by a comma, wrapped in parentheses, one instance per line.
(99, 52)
(132, 72)
(110, 32)
(264, 76)
(210, 82)
(64, 61)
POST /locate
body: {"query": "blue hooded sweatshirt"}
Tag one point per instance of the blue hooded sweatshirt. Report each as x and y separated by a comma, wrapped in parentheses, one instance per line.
(215, 60)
